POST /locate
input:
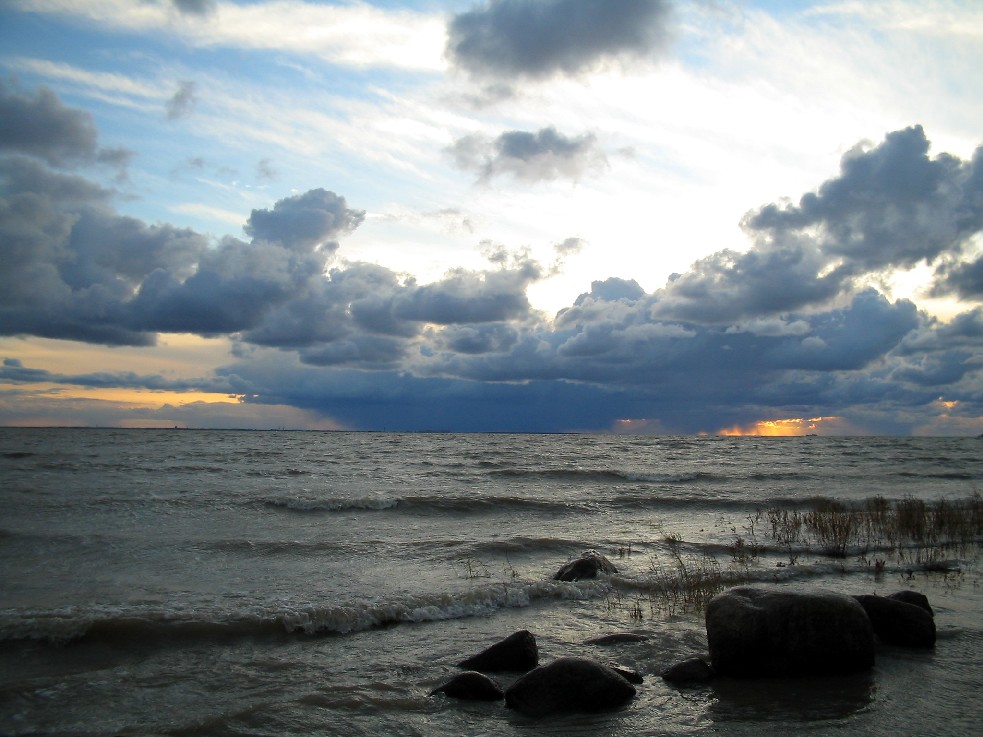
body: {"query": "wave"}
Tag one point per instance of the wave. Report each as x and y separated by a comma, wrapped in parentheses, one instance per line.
(952, 475)
(330, 504)
(477, 503)
(161, 628)
(605, 475)
(275, 547)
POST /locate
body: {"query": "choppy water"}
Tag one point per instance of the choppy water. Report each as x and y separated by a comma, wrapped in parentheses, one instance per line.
(254, 583)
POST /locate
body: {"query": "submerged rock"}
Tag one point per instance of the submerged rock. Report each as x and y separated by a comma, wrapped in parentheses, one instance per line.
(897, 622)
(517, 652)
(588, 565)
(755, 632)
(569, 685)
(472, 686)
(692, 670)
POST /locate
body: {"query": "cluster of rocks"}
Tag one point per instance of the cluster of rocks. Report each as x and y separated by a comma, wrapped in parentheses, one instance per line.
(762, 632)
(563, 685)
(751, 632)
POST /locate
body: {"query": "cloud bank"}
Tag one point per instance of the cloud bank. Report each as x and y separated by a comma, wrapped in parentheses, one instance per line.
(794, 326)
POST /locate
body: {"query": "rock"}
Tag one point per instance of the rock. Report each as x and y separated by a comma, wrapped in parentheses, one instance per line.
(913, 597)
(569, 685)
(897, 622)
(472, 686)
(616, 639)
(757, 632)
(632, 676)
(692, 670)
(587, 565)
(517, 652)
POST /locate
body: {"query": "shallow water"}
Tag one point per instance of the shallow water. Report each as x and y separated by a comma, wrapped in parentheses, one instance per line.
(253, 583)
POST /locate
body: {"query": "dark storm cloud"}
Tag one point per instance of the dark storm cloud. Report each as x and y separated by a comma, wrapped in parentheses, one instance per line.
(544, 155)
(305, 221)
(182, 102)
(892, 206)
(78, 270)
(787, 328)
(612, 289)
(39, 125)
(470, 297)
(271, 286)
(541, 38)
(364, 313)
(14, 372)
(477, 339)
(769, 278)
(964, 279)
(69, 261)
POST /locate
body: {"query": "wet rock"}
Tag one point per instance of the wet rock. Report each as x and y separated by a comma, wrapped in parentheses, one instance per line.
(897, 622)
(517, 652)
(472, 686)
(913, 597)
(569, 685)
(692, 670)
(632, 676)
(588, 565)
(616, 639)
(757, 632)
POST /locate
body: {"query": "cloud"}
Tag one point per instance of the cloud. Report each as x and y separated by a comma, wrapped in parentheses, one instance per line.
(39, 125)
(892, 206)
(541, 156)
(194, 7)
(964, 279)
(305, 221)
(265, 171)
(182, 102)
(542, 38)
(788, 328)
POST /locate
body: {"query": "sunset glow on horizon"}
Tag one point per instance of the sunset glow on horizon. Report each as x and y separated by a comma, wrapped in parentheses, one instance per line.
(786, 427)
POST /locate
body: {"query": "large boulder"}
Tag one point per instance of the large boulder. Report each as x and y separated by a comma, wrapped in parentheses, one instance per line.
(588, 565)
(472, 686)
(897, 622)
(517, 652)
(758, 632)
(569, 685)
(913, 597)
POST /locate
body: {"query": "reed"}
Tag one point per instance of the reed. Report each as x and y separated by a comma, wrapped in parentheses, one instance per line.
(682, 582)
(837, 528)
(834, 527)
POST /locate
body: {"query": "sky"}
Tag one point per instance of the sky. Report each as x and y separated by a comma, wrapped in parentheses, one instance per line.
(625, 216)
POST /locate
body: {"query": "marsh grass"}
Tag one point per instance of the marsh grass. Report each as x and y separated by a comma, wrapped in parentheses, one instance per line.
(837, 529)
(684, 582)
(918, 535)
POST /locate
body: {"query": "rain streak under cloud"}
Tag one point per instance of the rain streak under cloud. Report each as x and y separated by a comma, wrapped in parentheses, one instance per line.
(795, 332)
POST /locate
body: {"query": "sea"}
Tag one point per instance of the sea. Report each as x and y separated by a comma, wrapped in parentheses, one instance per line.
(231, 583)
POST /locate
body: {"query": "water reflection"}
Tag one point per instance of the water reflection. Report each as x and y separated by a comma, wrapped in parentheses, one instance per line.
(790, 699)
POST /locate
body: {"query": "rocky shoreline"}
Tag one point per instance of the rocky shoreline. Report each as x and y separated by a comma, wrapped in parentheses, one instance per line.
(751, 632)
